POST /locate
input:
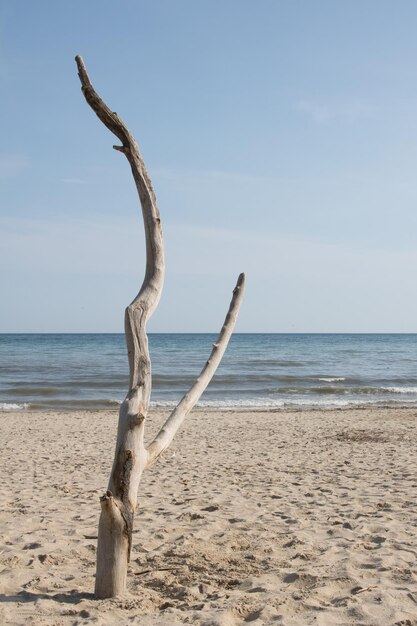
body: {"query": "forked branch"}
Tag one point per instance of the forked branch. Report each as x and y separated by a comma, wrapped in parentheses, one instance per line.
(131, 456)
(174, 421)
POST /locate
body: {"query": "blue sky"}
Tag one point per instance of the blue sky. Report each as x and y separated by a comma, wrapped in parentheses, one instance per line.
(281, 138)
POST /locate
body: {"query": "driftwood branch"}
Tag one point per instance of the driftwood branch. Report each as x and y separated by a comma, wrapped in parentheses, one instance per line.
(174, 421)
(131, 457)
(140, 310)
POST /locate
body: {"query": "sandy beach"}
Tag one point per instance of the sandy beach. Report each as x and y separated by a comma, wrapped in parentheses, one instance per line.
(296, 518)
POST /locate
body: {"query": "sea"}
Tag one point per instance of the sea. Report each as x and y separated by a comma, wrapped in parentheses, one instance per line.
(258, 371)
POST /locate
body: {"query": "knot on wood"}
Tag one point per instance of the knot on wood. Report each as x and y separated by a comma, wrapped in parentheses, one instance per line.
(120, 148)
(107, 496)
(136, 420)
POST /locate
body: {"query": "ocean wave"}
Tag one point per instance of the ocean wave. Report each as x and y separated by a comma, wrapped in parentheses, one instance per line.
(247, 404)
(332, 380)
(262, 403)
(339, 390)
(32, 391)
(11, 406)
(270, 402)
(400, 389)
(266, 403)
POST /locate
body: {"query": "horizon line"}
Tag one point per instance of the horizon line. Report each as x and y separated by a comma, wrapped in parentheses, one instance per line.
(258, 332)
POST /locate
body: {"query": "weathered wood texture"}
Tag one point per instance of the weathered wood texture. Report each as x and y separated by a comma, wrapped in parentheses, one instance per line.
(119, 503)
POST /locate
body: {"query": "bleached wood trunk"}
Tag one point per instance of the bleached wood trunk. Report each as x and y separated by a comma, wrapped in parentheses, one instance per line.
(118, 504)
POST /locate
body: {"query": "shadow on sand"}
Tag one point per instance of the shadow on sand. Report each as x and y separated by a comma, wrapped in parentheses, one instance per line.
(71, 597)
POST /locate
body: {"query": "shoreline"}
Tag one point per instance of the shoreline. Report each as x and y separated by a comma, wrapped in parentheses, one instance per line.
(289, 516)
(156, 410)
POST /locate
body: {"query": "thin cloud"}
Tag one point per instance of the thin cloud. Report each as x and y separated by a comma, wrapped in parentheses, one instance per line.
(74, 181)
(215, 175)
(323, 113)
(11, 165)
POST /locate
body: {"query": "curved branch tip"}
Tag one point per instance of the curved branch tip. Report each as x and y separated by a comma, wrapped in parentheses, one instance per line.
(82, 72)
(241, 279)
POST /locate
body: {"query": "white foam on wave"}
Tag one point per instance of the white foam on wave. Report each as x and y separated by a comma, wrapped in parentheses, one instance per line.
(256, 403)
(319, 403)
(260, 403)
(333, 380)
(400, 389)
(277, 403)
(11, 406)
